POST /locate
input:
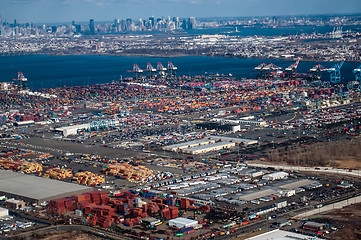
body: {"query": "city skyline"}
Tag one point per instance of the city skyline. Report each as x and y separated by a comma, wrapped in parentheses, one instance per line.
(41, 11)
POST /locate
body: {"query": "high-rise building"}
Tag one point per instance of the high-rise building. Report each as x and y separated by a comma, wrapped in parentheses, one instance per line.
(78, 28)
(92, 26)
(151, 19)
(192, 23)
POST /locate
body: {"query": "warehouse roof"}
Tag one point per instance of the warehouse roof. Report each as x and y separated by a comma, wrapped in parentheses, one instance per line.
(186, 144)
(184, 221)
(297, 184)
(77, 127)
(236, 140)
(36, 189)
(209, 146)
(282, 235)
(251, 195)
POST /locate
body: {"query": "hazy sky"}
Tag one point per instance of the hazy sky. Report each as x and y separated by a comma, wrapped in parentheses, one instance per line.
(82, 10)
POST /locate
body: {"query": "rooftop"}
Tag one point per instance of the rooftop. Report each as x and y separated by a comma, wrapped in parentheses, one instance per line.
(32, 188)
(282, 235)
(209, 146)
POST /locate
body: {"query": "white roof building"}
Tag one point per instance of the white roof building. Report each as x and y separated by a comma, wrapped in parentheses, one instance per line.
(4, 212)
(182, 222)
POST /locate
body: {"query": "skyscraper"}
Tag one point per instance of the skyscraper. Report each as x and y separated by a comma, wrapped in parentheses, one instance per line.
(151, 19)
(192, 22)
(91, 26)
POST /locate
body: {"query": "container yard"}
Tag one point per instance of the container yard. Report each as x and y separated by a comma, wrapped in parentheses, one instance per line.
(168, 157)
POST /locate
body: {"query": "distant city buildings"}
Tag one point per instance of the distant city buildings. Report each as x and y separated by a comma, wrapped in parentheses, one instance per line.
(94, 37)
(168, 24)
(163, 24)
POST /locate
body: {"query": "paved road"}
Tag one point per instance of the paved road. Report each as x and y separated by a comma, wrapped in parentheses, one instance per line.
(354, 173)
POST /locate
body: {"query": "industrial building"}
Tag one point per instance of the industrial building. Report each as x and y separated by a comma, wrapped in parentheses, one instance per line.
(209, 148)
(241, 141)
(14, 203)
(250, 120)
(24, 123)
(275, 176)
(213, 143)
(219, 126)
(72, 130)
(4, 212)
(281, 235)
(182, 222)
(36, 189)
(314, 226)
(181, 146)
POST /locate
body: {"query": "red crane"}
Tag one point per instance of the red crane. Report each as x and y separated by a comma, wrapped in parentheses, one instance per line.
(150, 69)
(136, 70)
(172, 68)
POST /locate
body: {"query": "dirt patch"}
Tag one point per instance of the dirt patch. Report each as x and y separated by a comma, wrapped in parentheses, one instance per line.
(347, 220)
(348, 163)
(61, 235)
(341, 153)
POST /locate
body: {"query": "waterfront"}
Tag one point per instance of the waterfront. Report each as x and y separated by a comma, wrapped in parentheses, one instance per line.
(45, 71)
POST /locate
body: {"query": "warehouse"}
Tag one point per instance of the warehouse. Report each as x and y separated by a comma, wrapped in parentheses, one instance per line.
(296, 184)
(241, 141)
(252, 173)
(210, 147)
(24, 123)
(252, 195)
(314, 226)
(4, 212)
(281, 235)
(36, 189)
(250, 120)
(182, 222)
(218, 126)
(181, 146)
(72, 130)
(275, 176)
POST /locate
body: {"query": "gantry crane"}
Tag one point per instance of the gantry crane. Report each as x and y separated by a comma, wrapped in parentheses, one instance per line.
(150, 69)
(357, 72)
(22, 81)
(268, 69)
(136, 70)
(172, 69)
(291, 70)
(161, 69)
(259, 69)
(317, 70)
(335, 72)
